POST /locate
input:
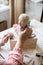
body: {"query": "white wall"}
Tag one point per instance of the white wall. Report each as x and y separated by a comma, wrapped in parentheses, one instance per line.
(5, 15)
(1, 1)
(33, 9)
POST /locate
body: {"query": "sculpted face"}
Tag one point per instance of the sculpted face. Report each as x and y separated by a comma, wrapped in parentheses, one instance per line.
(23, 24)
(23, 19)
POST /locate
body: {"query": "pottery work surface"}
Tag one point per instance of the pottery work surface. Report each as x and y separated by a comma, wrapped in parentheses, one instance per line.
(30, 43)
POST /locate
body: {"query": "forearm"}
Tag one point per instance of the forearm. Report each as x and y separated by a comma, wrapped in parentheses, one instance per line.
(19, 44)
(14, 58)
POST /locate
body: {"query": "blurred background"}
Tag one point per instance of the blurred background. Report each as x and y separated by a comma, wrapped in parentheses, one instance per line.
(11, 9)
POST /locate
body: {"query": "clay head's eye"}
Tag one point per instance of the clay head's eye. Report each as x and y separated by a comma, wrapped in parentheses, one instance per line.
(22, 23)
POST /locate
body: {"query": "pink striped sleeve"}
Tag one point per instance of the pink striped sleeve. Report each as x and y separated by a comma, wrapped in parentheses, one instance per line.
(16, 55)
(14, 58)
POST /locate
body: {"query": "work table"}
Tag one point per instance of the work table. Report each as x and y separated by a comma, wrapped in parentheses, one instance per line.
(37, 30)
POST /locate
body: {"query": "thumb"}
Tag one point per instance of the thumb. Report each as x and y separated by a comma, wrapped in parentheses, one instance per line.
(23, 32)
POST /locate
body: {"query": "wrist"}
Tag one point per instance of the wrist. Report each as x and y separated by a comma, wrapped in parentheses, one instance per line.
(1, 43)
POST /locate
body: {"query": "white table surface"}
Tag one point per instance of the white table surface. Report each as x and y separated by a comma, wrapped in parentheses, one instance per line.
(37, 30)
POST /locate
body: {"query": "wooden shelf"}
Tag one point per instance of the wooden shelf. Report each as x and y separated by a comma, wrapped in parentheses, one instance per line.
(3, 25)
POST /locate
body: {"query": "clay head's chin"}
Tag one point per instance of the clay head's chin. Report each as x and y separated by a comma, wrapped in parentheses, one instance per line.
(23, 28)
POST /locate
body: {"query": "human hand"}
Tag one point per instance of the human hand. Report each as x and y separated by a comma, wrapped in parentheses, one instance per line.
(6, 37)
(25, 34)
(11, 36)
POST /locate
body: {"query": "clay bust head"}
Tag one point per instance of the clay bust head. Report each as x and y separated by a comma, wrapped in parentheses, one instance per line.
(23, 19)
